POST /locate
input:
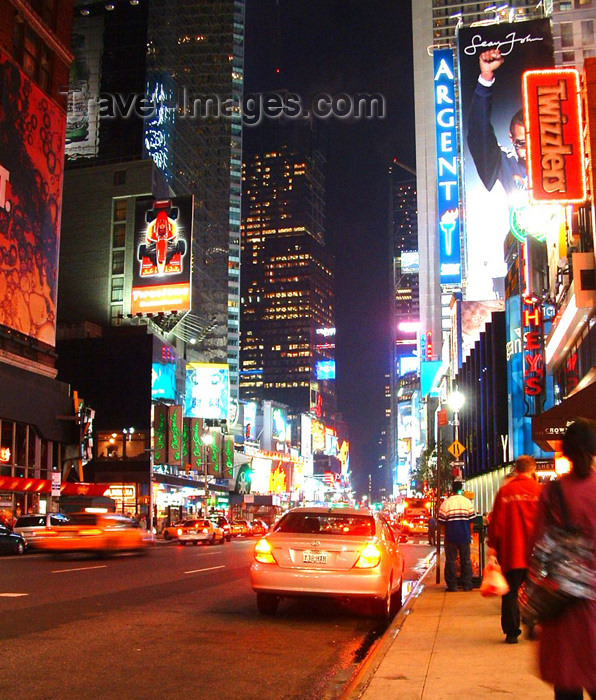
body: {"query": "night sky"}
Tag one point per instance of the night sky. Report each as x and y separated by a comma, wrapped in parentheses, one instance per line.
(347, 46)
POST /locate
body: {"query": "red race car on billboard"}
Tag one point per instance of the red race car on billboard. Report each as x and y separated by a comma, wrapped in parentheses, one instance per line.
(162, 252)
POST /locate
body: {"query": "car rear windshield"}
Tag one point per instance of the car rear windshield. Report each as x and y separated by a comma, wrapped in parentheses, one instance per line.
(31, 521)
(327, 524)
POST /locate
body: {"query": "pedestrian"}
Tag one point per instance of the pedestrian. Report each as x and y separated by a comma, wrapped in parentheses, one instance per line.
(510, 535)
(456, 514)
(567, 645)
(432, 530)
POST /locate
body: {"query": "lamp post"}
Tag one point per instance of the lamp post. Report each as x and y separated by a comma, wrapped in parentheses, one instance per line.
(441, 421)
(205, 442)
(456, 401)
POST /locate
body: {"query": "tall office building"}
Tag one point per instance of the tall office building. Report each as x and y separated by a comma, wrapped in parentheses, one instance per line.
(186, 59)
(406, 311)
(288, 325)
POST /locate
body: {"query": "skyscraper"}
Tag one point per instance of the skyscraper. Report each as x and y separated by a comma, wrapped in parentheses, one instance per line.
(288, 327)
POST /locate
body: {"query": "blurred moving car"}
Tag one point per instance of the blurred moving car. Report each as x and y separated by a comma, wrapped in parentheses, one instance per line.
(99, 532)
(33, 528)
(417, 525)
(223, 522)
(241, 527)
(11, 542)
(349, 554)
(258, 527)
(199, 530)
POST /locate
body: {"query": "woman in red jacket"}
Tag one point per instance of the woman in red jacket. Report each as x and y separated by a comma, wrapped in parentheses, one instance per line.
(567, 650)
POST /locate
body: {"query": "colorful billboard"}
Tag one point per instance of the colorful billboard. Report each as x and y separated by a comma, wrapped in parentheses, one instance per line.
(552, 112)
(207, 390)
(492, 60)
(163, 238)
(449, 228)
(31, 157)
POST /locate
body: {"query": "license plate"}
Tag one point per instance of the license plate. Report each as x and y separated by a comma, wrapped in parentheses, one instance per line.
(314, 557)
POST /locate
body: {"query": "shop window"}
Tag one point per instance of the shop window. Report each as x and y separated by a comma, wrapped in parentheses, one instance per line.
(7, 448)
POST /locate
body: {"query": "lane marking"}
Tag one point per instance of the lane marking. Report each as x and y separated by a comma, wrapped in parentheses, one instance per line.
(209, 568)
(80, 568)
(12, 595)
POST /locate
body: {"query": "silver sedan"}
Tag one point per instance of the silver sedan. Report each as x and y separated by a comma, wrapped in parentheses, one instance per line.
(345, 553)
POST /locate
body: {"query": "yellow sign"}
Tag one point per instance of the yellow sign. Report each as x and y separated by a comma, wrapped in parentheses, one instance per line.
(456, 448)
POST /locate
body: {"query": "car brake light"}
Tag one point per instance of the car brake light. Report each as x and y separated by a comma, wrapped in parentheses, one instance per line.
(179, 531)
(263, 553)
(206, 530)
(369, 557)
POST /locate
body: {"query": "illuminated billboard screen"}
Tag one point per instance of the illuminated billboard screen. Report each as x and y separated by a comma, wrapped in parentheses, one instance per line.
(492, 60)
(409, 262)
(408, 363)
(449, 226)
(31, 157)
(552, 111)
(162, 266)
(325, 369)
(207, 391)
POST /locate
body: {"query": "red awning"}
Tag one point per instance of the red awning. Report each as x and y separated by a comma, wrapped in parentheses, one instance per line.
(549, 427)
(17, 483)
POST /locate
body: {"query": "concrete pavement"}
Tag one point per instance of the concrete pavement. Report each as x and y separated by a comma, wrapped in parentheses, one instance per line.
(449, 645)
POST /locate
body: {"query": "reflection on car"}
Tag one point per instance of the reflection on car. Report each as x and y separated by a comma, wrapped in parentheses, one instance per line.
(11, 542)
(96, 531)
(199, 530)
(345, 553)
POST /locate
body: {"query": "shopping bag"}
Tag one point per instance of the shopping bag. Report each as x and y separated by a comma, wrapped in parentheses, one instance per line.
(493, 581)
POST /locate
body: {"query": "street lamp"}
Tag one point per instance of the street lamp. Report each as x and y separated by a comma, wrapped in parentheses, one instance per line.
(456, 401)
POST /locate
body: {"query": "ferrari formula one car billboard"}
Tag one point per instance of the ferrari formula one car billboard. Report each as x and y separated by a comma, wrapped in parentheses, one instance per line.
(163, 237)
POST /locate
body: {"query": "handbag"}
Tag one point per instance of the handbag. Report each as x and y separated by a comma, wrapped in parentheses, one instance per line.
(560, 571)
(493, 582)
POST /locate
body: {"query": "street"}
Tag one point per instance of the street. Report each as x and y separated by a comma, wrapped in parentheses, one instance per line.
(180, 622)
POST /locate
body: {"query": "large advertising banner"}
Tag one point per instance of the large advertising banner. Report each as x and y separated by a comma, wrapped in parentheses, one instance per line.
(207, 390)
(161, 271)
(31, 172)
(492, 60)
(82, 104)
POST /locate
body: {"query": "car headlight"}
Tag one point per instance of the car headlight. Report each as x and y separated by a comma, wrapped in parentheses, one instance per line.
(369, 557)
(263, 553)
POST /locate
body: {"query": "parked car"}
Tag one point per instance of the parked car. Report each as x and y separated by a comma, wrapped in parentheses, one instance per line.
(11, 542)
(258, 527)
(224, 523)
(199, 530)
(343, 553)
(33, 528)
(241, 527)
(96, 532)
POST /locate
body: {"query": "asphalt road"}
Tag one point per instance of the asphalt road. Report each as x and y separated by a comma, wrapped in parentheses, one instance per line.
(178, 623)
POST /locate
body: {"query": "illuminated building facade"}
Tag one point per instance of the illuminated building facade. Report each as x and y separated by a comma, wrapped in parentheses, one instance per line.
(288, 325)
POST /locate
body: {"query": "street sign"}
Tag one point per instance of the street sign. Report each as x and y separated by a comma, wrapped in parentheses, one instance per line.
(56, 483)
(442, 417)
(456, 448)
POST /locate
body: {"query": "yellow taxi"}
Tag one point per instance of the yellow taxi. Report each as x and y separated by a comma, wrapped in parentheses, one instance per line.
(96, 531)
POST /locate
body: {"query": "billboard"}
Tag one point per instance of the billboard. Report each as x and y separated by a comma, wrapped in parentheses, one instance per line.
(31, 157)
(325, 369)
(162, 266)
(492, 60)
(82, 96)
(449, 227)
(207, 390)
(552, 112)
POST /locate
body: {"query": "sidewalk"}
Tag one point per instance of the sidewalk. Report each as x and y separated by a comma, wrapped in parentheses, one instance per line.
(450, 645)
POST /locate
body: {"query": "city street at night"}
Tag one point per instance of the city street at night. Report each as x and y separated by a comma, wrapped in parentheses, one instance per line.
(180, 622)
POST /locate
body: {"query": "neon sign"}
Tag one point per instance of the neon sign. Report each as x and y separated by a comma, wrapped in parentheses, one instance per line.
(447, 177)
(4, 454)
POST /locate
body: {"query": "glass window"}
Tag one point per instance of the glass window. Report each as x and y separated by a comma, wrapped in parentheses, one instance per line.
(118, 262)
(116, 313)
(566, 34)
(117, 288)
(119, 235)
(568, 56)
(587, 32)
(119, 210)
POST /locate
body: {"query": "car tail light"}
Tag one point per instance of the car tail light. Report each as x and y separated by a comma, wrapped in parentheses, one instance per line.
(206, 530)
(263, 553)
(179, 531)
(369, 557)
